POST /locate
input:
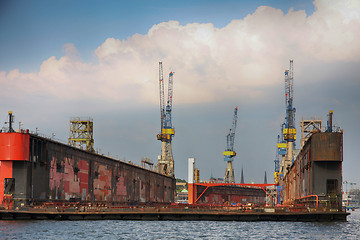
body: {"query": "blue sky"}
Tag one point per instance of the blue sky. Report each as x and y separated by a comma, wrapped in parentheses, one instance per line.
(31, 31)
(61, 59)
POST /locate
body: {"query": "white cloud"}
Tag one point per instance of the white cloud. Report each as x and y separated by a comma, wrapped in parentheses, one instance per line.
(210, 63)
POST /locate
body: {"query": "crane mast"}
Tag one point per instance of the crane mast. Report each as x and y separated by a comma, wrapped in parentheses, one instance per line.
(277, 162)
(289, 130)
(280, 154)
(229, 152)
(290, 133)
(165, 160)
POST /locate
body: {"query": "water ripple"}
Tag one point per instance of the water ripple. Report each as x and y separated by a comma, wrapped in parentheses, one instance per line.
(184, 230)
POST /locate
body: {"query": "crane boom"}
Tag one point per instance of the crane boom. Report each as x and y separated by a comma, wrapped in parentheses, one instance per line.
(168, 123)
(229, 152)
(162, 100)
(290, 130)
(231, 136)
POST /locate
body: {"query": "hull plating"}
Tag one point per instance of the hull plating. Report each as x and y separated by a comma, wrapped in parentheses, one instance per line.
(316, 173)
(58, 172)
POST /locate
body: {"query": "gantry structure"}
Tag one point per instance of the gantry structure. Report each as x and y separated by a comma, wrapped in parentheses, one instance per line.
(81, 133)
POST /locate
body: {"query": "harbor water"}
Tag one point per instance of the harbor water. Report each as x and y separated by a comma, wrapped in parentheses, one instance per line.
(114, 229)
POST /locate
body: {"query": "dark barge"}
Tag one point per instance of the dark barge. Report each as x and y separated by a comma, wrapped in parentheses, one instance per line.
(43, 179)
(182, 213)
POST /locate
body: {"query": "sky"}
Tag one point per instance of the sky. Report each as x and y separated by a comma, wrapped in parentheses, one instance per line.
(99, 59)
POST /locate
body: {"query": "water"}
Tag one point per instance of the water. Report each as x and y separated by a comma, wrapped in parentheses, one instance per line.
(114, 229)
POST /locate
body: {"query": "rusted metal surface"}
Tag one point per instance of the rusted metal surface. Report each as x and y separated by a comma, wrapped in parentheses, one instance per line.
(326, 147)
(59, 172)
(317, 171)
(218, 194)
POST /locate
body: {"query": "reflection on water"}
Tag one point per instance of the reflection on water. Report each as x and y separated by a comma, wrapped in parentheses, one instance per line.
(113, 229)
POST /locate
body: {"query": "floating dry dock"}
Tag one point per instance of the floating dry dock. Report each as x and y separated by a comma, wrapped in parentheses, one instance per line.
(43, 179)
(170, 213)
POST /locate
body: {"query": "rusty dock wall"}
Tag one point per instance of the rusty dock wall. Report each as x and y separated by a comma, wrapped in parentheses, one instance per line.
(316, 174)
(227, 194)
(35, 170)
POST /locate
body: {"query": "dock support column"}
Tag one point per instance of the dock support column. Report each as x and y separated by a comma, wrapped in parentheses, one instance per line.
(191, 166)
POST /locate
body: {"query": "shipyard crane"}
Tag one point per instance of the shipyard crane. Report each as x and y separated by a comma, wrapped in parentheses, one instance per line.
(289, 130)
(229, 152)
(165, 160)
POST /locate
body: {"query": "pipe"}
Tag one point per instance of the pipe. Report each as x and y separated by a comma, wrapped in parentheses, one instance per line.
(330, 120)
(317, 199)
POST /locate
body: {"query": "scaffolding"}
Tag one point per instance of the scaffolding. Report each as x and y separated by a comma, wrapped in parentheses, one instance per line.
(308, 127)
(81, 133)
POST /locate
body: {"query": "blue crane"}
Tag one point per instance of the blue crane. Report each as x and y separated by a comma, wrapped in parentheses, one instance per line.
(289, 131)
(286, 141)
(166, 162)
(229, 152)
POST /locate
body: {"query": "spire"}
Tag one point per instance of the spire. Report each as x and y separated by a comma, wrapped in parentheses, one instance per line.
(265, 179)
(211, 176)
(242, 175)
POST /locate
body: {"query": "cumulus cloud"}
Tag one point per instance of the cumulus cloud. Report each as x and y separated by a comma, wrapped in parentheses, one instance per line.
(210, 63)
